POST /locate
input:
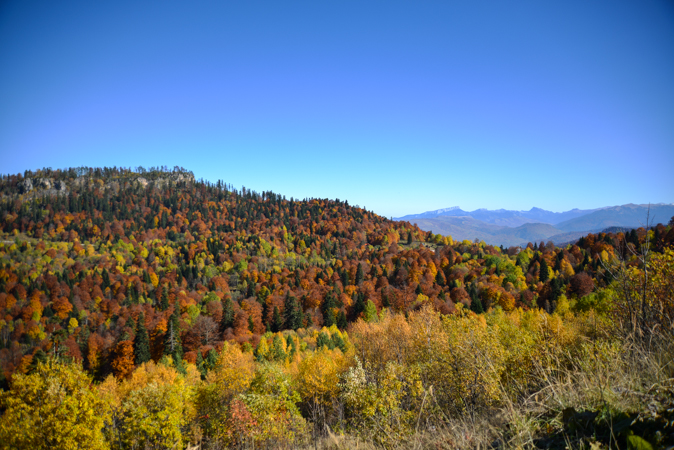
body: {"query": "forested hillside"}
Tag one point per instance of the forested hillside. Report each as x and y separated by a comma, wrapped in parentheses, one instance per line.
(139, 278)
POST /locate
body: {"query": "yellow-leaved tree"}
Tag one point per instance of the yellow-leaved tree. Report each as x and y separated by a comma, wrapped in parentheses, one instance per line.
(54, 407)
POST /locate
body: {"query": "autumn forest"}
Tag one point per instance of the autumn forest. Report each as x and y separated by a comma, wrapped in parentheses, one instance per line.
(143, 308)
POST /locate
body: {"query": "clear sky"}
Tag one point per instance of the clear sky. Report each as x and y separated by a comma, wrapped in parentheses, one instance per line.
(399, 106)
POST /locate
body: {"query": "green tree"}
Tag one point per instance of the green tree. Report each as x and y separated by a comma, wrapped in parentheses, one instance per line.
(227, 320)
(360, 275)
(291, 314)
(544, 273)
(370, 313)
(328, 310)
(172, 343)
(141, 342)
(276, 321)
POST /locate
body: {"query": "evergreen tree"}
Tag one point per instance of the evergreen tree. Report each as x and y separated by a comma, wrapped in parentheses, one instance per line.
(277, 349)
(476, 305)
(291, 319)
(201, 366)
(359, 305)
(370, 312)
(360, 275)
(323, 340)
(409, 238)
(338, 342)
(277, 322)
(341, 320)
(386, 303)
(211, 359)
(172, 344)
(164, 299)
(544, 273)
(291, 346)
(227, 320)
(141, 342)
(328, 310)
(345, 278)
(440, 278)
(106, 280)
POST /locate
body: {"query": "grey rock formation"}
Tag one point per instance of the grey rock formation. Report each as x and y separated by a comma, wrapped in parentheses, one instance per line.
(26, 185)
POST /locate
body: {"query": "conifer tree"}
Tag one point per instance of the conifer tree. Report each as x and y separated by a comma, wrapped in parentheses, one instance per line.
(276, 321)
(328, 310)
(277, 349)
(370, 312)
(141, 342)
(359, 305)
(227, 320)
(386, 303)
(172, 344)
(341, 320)
(164, 299)
(323, 340)
(290, 313)
(476, 305)
(543, 274)
(360, 275)
(201, 367)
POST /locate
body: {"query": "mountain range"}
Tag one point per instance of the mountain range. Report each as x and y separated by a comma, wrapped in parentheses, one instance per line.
(508, 227)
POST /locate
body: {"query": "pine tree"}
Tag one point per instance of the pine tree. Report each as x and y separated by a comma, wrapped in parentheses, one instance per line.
(290, 313)
(338, 342)
(323, 340)
(440, 278)
(370, 312)
(227, 320)
(211, 359)
(164, 299)
(476, 305)
(360, 275)
(544, 273)
(341, 320)
(276, 321)
(201, 367)
(328, 310)
(141, 342)
(277, 349)
(359, 305)
(172, 344)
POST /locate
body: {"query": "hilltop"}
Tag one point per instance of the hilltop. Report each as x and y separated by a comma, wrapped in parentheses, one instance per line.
(227, 311)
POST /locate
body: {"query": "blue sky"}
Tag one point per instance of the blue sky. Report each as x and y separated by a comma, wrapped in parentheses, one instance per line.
(401, 107)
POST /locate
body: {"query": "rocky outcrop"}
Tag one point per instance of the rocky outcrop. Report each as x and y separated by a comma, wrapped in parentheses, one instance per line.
(26, 185)
(43, 186)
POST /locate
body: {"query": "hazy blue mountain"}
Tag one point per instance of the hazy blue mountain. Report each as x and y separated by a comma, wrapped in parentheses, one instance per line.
(505, 227)
(631, 216)
(503, 217)
(462, 228)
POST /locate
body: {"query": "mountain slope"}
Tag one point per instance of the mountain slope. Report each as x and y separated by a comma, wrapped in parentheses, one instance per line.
(503, 217)
(630, 215)
(468, 228)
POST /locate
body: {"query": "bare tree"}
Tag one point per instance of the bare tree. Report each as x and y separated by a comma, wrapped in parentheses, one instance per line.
(206, 328)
